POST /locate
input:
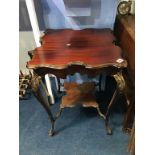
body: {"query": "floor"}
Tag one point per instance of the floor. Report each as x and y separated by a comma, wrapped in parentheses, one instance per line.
(79, 131)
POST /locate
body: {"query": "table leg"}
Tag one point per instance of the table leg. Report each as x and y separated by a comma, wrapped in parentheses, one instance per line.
(122, 87)
(106, 116)
(109, 131)
(119, 88)
(35, 84)
(57, 115)
(47, 80)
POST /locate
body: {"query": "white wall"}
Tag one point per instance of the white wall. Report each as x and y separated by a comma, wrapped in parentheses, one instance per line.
(102, 15)
(26, 43)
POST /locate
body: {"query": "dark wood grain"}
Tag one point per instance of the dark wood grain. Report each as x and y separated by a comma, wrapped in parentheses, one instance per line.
(92, 37)
(92, 48)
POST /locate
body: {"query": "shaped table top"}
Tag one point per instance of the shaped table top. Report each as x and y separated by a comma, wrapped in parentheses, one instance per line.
(88, 47)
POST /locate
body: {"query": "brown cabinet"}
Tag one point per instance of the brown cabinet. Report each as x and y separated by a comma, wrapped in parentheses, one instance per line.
(125, 33)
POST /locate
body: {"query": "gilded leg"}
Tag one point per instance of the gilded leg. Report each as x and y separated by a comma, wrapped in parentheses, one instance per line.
(35, 83)
(122, 87)
(51, 132)
(109, 130)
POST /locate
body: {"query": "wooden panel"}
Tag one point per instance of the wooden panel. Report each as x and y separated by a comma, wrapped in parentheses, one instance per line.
(125, 33)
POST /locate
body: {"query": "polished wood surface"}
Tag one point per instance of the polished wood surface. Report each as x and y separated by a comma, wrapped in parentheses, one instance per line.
(78, 38)
(88, 47)
(125, 33)
(82, 94)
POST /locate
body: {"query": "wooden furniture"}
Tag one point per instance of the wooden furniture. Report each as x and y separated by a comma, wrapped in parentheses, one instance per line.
(131, 144)
(65, 52)
(79, 94)
(125, 33)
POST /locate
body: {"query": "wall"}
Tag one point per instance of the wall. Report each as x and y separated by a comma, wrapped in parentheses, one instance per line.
(26, 43)
(102, 15)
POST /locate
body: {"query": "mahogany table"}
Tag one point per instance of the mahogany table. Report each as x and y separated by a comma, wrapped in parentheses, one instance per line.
(65, 52)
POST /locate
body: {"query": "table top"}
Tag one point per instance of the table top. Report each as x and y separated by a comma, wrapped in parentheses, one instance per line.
(89, 47)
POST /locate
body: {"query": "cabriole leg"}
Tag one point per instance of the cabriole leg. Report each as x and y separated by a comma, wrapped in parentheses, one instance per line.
(109, 130)
(35, 84)
(122, 88)
(51, 131)
(106, 116)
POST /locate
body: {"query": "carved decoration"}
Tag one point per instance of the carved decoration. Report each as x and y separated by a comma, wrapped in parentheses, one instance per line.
(35, 82)
(120, 81)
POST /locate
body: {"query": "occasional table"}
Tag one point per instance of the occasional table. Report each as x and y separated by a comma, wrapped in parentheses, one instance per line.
(65, 52)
